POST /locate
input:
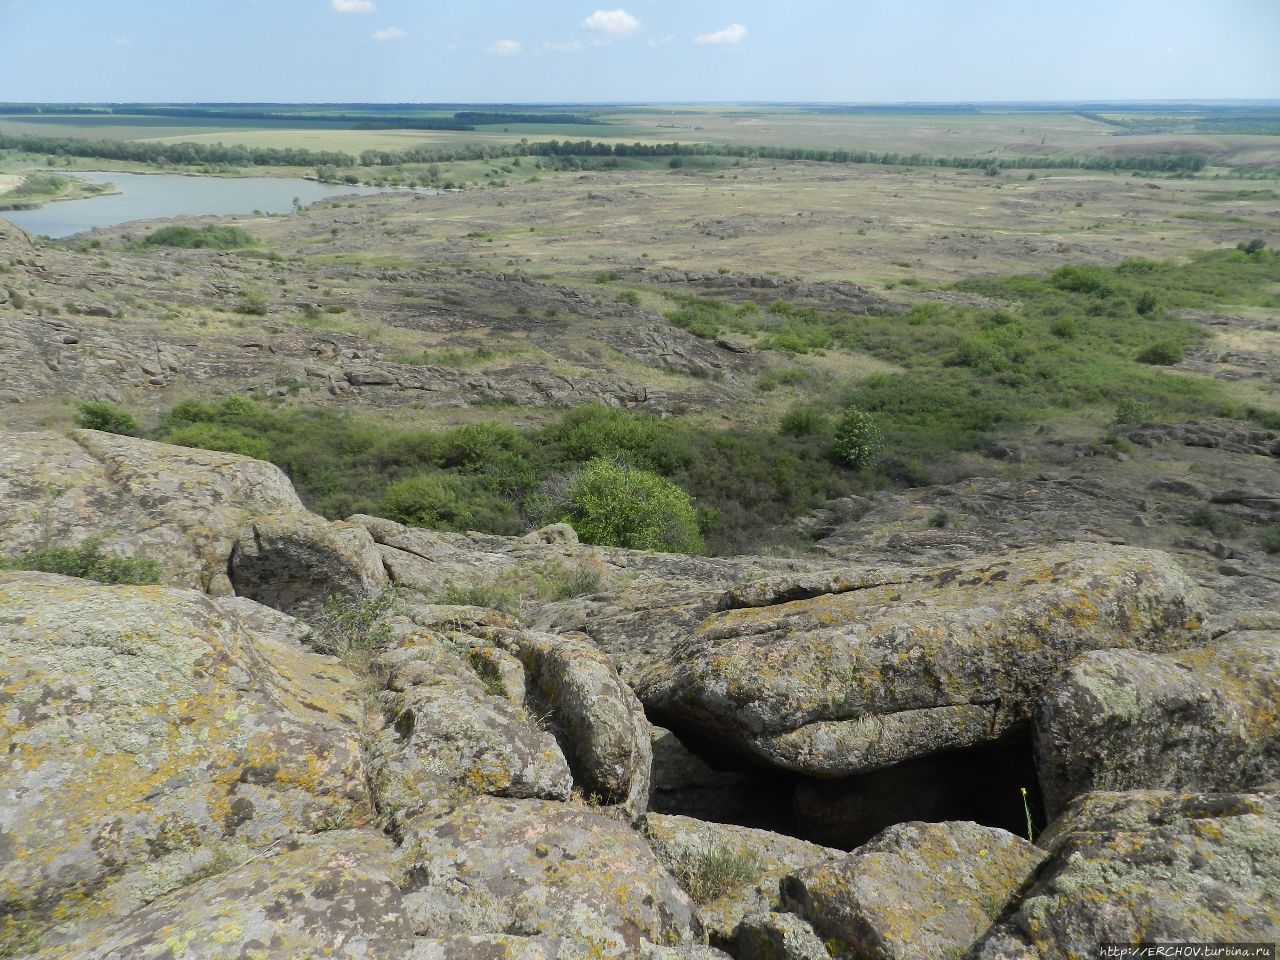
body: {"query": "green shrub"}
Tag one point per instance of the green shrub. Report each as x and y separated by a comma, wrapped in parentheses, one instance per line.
(213, 436)
(717, 869)
(940, 520)
(613, 504)
(207, 237)
(1147, 303)
(1269, 538)
(503, 595)
(1064, 327)
(858, 440)
(630, 298)
(253, 301)
(1220, 524)
(1163, 354)
(427, 500)
(802, 421)
(353, 629)
(1133, 410)
(107, 417)
(88, 562)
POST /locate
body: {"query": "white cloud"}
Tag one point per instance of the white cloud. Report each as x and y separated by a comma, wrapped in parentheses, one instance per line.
(617, 22)
(571, 47)
(662, 41)
(505, 48)
(389, 34)
(354, 6)
(728, 37)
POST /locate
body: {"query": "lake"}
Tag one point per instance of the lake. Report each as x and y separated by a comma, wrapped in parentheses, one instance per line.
(163, 195)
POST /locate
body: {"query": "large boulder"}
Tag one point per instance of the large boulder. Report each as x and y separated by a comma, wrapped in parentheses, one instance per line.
(1203, 719)
(326, 896)
(598, 720)
(916, 890)
(453, 733)
(179, 506)
(1150, 867)
(538, 868)
(148, 732)
(730, 871)
(835, 674)
(293, 561)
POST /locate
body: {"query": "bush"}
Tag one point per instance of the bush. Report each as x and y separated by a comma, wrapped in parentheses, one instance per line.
(717, 869)
(210, 238)
(1219, 524)
(1269, 538)
(1132, 410)
(613, 504)
(212, 436)
(351, 628)
(802, 421)
(1163, 354)
(630, 298)
(88, 562)
(426, 500)
(253, 301)
(858, 441)
(100, 415)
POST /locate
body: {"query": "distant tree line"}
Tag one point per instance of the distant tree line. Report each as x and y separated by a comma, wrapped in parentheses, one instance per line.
(197, 154)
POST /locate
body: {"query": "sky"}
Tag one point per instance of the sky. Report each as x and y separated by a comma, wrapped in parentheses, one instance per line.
(539, 51)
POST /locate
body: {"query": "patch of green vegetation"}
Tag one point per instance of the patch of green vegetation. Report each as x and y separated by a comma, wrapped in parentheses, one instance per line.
(208, 237)
(88, 562)
(717, 869)
(1215, 522)
(614, 504)
(107, 417)
(858, 440)
(525, 585)
(353, 629)
(1269, 538)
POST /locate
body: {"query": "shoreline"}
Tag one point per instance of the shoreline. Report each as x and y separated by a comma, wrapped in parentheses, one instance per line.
(78, 190)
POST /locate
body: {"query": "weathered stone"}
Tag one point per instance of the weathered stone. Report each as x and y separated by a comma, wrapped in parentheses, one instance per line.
(147, 729)
(598, 721)
(326, 896)
(917, 890)
(293, 561)
(1150, 867)
(179, 506)
(448, 738)
(686, 847)
(1206, 719)
(836, 674)
(777, 936)
(535, 868)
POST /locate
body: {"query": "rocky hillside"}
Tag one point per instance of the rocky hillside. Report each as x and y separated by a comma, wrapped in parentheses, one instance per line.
(321, 739)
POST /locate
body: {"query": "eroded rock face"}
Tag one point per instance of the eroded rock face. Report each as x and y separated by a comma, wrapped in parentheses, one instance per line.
(331, 895)
(293, 561)
(687, 847)
(148, 732)
(1150, 866)
(179, 506)
(917, 890)
(835, 674)
(1205, 719)
(537, 868)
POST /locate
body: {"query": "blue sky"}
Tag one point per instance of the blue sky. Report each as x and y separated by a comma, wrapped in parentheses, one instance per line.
(645, 50)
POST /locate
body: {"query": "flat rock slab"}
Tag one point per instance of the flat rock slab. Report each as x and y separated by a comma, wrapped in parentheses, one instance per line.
(180, 506)
(144, 726)
(1150, 866)
(326, 896)
(844, 672)
(917, 890)
(538, 868)
(1204, 719)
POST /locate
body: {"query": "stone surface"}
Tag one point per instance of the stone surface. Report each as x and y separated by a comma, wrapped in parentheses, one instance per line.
(325, 896)
(1150, 866)
(916, 890)
(684, 783)
(777, 936)
(1206, 719)
(147, 731)
(839, 673)
(293, 561)
(682, 845)
(597, 719)
(179, 506)
(449, 738)
(537, 868)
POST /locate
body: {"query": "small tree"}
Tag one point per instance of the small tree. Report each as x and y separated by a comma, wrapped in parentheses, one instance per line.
(613, 504)
(858, 441)
(107, 417)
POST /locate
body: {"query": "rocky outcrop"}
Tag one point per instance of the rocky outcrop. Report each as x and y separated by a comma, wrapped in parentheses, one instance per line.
(1205, 719)
(331, 895)
(149, 733)
(181, 507)
(1150, 867)
(917, 890)
(840, 673)
(294, 561)
(536, 869)
(698, 852)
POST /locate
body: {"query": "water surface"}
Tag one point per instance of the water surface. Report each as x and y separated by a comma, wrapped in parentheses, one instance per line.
(165, 195)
